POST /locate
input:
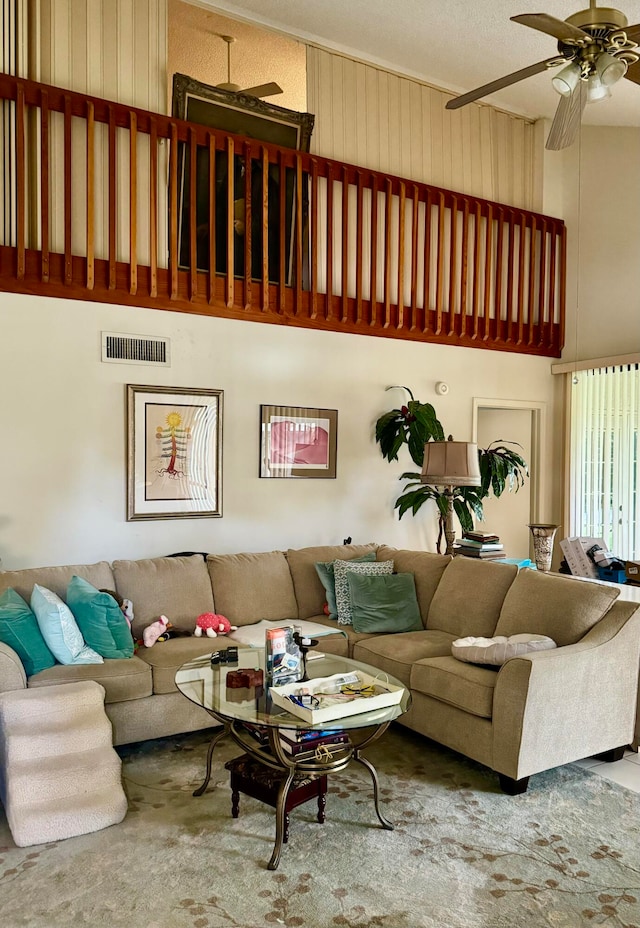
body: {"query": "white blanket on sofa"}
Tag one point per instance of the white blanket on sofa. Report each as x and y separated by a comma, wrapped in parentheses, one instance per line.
(254, 635)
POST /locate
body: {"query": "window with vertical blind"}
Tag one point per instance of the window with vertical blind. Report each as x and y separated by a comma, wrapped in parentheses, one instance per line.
(605, 457)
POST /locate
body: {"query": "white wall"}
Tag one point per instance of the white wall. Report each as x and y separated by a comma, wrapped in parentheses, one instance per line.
(63, 461)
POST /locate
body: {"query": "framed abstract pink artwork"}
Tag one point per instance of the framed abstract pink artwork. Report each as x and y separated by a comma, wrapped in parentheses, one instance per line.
(297, 441)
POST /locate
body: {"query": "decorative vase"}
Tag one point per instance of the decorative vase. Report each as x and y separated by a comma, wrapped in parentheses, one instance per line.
(543, 535)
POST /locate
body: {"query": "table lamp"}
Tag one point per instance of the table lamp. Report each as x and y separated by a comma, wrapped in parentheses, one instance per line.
(451, 464)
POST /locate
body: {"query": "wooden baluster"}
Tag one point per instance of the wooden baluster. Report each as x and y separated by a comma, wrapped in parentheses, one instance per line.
(193, 215)
(498, 274)
(553, 245)
(153, 207)
(68, 260)
(373, 287)
(542, 281)
(476, 271)
(314, 239)
(440, 265)
(427, 261)
(521, 249)
(387, 257)
(532, 276)
(511, 258)
(231, 164)
(133, 204)
(20, 187)
(401, 230)
(464, 268)
(488, 255)
(173, 211)
(265, 230)
(563, 289)
(345, 245)
(112, 221)
(248, 226)
(414, 260)
(453, 258)
(212, 218)
(329, 310)
(44, 185)
(284, 257)
(90, 196)
(359, 237)
(298, 235)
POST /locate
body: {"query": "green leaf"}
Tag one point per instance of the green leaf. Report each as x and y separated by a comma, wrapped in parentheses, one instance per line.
(463, 514)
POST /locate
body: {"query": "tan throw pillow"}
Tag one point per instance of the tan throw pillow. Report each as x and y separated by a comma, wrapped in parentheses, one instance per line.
(562, 608)
(500, 649)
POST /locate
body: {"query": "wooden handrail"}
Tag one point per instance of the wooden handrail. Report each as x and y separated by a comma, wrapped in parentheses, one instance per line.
(355, 250)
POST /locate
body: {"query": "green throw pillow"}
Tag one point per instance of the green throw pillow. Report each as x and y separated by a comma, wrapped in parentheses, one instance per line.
(343, 596)
(100, 619)
(327, 576)
(19, 629)
(385, 604)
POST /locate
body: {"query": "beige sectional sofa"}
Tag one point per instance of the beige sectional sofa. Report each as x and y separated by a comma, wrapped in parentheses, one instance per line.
(534, 712)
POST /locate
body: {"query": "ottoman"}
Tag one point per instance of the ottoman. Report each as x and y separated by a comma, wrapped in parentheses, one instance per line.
(59, 773)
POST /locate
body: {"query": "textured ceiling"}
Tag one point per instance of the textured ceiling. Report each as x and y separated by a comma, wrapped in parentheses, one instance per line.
(454, 44)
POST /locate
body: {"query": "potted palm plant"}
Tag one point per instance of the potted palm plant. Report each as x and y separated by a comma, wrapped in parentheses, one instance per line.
(415, 424)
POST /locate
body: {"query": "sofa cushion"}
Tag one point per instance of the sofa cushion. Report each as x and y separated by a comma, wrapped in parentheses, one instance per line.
(384, 605)
(100, 619)
(19, 629)
(60, 629)
(56, 579)
(556, 606)
(251, 587)
(396, 654)
(426, 567)
(325, 571)
(165, 657)
(129, 678)
(342, 569)
(309, 591)
(469, 598)
(465, 686)
(178, 587)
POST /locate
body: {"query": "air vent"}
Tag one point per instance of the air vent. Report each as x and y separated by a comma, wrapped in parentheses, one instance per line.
(136, 349)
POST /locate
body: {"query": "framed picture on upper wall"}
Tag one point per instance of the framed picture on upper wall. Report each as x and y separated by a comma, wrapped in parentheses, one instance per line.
(298, 441)
(174, 453)
(246, 115)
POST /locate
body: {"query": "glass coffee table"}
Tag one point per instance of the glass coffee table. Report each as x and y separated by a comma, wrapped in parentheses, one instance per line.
(256, 724)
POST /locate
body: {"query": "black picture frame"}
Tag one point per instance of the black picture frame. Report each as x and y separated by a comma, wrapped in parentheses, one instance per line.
(298, 441)
(239, 114)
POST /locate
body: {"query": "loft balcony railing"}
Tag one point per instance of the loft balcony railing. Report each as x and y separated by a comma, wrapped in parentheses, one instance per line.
(106, 202)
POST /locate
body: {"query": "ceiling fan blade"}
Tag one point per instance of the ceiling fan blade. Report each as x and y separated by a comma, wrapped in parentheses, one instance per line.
(505, 81)
(633, 33)
(633, 72)
(264, 90)
(566, 122)
(543, 22)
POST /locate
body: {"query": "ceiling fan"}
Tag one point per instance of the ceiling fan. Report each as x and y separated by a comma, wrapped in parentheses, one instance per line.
(260, 90)
(597, 48)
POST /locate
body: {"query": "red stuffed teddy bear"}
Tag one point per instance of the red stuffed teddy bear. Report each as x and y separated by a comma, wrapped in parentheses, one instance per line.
(212, 625)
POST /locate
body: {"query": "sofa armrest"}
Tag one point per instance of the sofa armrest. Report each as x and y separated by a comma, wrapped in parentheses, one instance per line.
(554, 707)
(12, 675)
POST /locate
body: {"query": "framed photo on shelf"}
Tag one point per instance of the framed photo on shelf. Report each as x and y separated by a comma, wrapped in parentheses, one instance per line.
(174, 453)
(239, 114)
(298, 441)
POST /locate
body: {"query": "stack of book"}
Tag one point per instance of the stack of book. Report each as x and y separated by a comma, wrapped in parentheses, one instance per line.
(304, 745)
(483, 545)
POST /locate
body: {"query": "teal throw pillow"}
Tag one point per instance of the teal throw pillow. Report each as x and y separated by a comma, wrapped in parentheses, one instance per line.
(60, 630)
(326, 573)
(100, 619)
(19, 629)
(384, 605)
(342, 570)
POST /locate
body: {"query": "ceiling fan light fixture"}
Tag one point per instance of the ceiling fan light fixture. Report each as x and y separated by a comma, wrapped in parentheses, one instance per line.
(566, 81)
(596, 90)
(610, 68)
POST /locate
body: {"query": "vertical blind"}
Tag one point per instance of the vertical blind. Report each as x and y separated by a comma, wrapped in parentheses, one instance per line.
(605, 457)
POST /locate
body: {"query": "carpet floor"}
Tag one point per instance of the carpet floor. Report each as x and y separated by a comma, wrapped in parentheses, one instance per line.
(463, 855)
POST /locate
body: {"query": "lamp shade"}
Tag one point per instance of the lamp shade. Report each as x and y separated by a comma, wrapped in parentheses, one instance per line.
(451, 463)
